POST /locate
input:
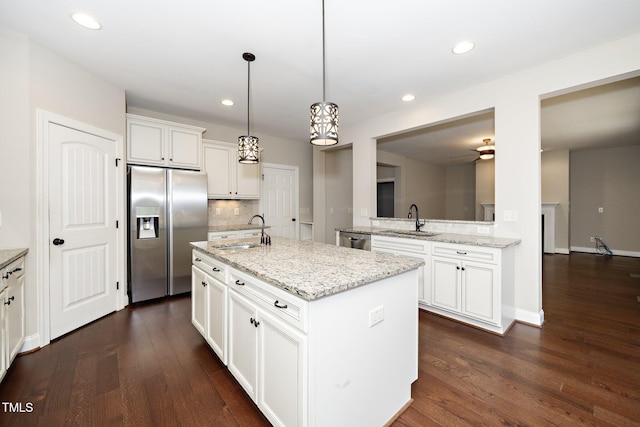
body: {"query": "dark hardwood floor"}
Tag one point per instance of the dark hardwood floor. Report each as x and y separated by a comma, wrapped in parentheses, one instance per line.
(147, 366)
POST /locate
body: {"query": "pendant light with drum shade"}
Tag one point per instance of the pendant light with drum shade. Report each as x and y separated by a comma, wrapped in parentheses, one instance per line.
(486, 151)
(324, 115)
(248, 150)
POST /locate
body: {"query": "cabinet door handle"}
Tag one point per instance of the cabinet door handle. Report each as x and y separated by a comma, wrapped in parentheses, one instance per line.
(216, 269)
(277, 304)
(254, 322)
(461, 253)
(8, 302)
(457, 267)
(204, 283)
(462, 268)
(239, 283)
(198, 259)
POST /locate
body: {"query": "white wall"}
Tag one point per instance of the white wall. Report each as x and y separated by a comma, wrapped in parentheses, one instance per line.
(516, 99)
(32, 78)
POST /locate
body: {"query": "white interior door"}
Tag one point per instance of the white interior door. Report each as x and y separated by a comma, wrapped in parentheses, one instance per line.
(82, 228)
(280, 200)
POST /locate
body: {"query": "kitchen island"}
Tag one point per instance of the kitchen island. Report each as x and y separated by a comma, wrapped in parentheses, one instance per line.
(317, 335)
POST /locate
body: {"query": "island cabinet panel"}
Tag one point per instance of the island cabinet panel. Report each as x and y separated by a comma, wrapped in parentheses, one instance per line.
(209, 302)
(342, 359)
(266, 356)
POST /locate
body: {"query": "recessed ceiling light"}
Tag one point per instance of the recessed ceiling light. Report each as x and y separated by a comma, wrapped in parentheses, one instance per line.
(86, 21)
(408, 97)
(226, 102)
(463, 47)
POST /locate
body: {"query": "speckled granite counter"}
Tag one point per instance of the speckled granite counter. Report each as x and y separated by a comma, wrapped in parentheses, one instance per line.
(308, 269)
(462, 239)
(7, 256)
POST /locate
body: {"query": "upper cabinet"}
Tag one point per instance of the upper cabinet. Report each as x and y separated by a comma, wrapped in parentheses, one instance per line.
(226, 178)
(161, 143)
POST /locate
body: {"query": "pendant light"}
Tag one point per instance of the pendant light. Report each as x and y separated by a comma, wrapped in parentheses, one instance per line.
(324, 115)
(486, 151)
(248, 151)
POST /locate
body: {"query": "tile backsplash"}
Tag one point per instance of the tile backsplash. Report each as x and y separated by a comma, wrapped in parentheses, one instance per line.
(223, 212)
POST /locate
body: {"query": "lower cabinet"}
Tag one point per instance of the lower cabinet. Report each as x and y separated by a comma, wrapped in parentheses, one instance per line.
(267, 358)
(12, 314)
(414, 248)
(466, 287)
(473, 284)
(310, 363)
(209, 303)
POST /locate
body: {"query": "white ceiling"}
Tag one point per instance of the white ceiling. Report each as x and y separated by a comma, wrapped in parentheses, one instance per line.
(183, 57)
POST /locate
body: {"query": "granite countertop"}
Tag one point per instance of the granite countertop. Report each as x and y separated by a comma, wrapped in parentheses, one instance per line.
(462, 239)
(308, 269)
(7, 256)
(235, 227)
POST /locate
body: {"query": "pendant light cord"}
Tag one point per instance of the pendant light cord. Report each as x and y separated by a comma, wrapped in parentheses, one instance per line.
(248, 93)
(323, 57)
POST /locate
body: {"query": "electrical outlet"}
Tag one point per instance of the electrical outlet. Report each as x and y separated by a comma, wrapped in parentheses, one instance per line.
(236, 211)
(592, 239)
(376, 315)
(600, 210)
(218, 211)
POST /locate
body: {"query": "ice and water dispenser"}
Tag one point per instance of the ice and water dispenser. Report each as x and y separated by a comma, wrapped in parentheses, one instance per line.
(147, 219)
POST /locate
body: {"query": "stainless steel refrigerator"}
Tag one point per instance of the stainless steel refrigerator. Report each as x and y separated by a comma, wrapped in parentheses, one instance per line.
(167, 210)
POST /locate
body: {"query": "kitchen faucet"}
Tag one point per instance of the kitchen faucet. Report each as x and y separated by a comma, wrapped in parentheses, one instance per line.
(418, 225)
(265, 239)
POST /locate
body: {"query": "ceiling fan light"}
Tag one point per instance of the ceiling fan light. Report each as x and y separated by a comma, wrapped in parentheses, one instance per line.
(487, 154)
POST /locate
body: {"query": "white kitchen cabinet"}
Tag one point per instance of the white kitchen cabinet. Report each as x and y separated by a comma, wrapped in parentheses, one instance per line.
(12, 313)
(413, 248)
(161, 143)
(473, 284)
(209, 302)
(217, 235)
(226, 178)
(266, 355)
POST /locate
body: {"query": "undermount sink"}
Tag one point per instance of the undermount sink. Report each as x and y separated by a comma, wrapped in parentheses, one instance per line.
(238, 246)
(412, 233)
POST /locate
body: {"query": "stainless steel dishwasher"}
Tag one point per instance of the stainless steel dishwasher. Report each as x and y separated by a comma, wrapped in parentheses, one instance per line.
(355, 240)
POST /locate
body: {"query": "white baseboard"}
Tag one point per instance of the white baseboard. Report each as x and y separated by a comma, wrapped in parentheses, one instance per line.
(563, 251)
(530, 317)
(32, 342)
(615, 251)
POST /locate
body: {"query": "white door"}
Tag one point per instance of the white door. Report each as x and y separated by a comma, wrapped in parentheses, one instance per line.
(280, 200)
(82, 228)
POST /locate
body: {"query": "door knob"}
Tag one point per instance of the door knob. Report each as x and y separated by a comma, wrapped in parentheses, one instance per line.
(58, 241)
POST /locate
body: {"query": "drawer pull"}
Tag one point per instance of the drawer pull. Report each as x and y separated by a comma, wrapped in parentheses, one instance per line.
(277, 304)
(239, 283)
(9, 300)
(216, 269)
(461, 253)
(198, 259)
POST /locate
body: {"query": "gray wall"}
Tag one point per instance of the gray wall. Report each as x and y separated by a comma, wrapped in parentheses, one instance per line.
(554, 169)
(606, 178)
